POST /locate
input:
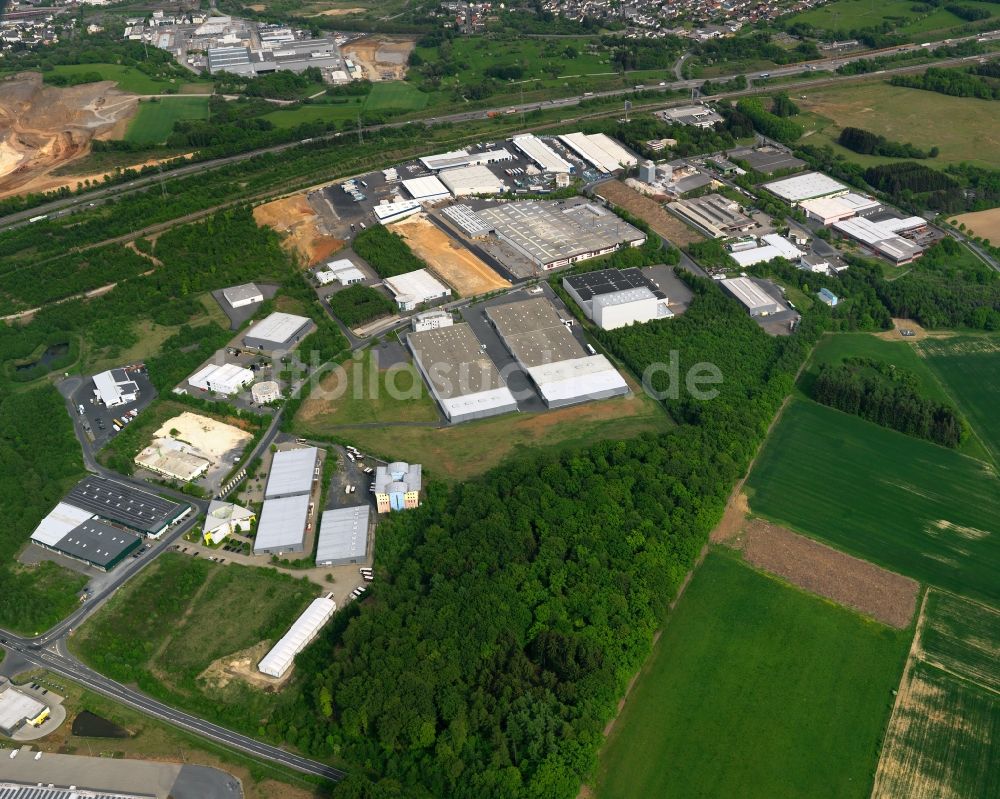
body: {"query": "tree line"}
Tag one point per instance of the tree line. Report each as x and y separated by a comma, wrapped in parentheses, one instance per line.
(888, 396)
(957, 82)
(868, 143)
(771, 125)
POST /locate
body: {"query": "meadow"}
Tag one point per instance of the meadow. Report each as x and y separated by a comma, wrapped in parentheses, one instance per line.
(942, 737)
(397, 96)
(964, 129)
(911, 506)
(905, 16)
(319, 112)
(755, 689)
(970, 367)
(458, 452)
(155, 119)
(128, 79)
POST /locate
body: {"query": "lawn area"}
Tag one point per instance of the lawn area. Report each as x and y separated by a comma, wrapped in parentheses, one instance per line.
(755, 689)
(845, 15)
(320, 112)
(902, 355)
(916, 508)
(964, 129)
(346, 398)
(129, 79)
(970, 367)
(458, 452)
(192, 613)
(150, 739)
(156, 118)
(397, 96)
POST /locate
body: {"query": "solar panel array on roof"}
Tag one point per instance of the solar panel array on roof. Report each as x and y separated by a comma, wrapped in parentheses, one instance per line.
(121, 503)
(13, 790)
(607, 281)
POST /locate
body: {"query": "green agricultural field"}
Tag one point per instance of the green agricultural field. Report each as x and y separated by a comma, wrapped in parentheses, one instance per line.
(962, 638)
(901, 354)
(904, 15)
(970, 367)
(192, 613)
(397, 96)
(755, 689)
(155, 120)
(914, 507)
(964, 129)
(320, 112)
(129, 79)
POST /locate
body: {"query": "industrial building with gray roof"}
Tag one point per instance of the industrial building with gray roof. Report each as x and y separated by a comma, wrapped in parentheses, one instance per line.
(282, 526)
(123, 504)
(292, 472)
(461, 376)
(279, 332)
(343, 536)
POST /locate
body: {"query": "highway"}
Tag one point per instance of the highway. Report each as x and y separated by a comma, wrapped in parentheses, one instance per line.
(67, 205)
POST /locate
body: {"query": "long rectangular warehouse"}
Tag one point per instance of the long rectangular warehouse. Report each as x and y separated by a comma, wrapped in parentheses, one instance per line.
(757, 301)
(474, 179)
(603, 152)
(306, 627)
(122, 504)
(550, 355)
(282, 526)
(80, 535)
(461, 376)
(548, 160)
(292, 472)
(464, 158)
(805, 187)
(343, 536)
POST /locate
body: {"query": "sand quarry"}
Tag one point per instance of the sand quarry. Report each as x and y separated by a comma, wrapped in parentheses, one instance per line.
(381, 57)
(44, 127)
(298, 223)
(453, 263)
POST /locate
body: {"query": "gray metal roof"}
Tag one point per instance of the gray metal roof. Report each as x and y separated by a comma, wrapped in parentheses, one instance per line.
(292, 472)
(282, 524)
(343, 535)
(121, 503)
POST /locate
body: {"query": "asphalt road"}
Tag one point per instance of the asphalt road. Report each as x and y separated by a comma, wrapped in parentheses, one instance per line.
(64, 206)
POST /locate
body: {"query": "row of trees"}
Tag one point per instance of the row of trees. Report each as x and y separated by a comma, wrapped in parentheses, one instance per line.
(868, 143)
(957, 82)
(888, 396)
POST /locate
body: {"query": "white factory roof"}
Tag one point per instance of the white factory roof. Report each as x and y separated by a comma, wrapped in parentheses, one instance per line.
(600, 150)
(292, 472)
(225, 514)
(282, 524)
(246, 293)
(749, 293)
(226, 378)
(276, 662)
(775, 246)
(805, 187)
(458, 158)
(881, 237)
(787, 249)
(416, 287)
(474, 179)
(577, 378)
(899, 225)
(481, 401)
(279, 327)
(15, 707)
(434, 161)
(426, 188)
(60, 520)
(114, 387)
(389, 212)
(844, 206)
(343, 534)
(543, 155)
(623, 297)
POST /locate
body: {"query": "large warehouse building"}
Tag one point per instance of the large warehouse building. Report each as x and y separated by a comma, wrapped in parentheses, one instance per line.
(413, 289)
(807, 186)
(547, 159)
(713, 214)
(882, 238)
(115, 388)
(79, 534)
(279, 660)
(278, 333)
(282, 526)
(458, 158)
(468, 180)
(18, 709)
(224, 378)
(460, 375)
(241, 296)
(613, 298)
(172, 459)
(139, 511)
(772, 246)
(343, 536)
(757, 301)
(553, 234)
(828, 210)
(549, 354)
(426, 189)
(599, 150)
(293, 472)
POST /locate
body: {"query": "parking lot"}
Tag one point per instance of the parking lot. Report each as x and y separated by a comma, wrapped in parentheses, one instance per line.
(97, 422)
(237, 316)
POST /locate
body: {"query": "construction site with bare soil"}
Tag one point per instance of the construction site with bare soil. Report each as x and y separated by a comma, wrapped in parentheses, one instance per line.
(301, 228)
(43, 128)
(381, 57)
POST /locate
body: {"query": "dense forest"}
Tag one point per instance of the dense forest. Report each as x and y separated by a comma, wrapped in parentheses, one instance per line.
(356, 305)
(779, 128)
(387, 252)
(868, 143)
(888, 396)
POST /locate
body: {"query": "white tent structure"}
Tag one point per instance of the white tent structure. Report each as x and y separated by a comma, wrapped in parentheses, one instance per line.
(277, 662)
